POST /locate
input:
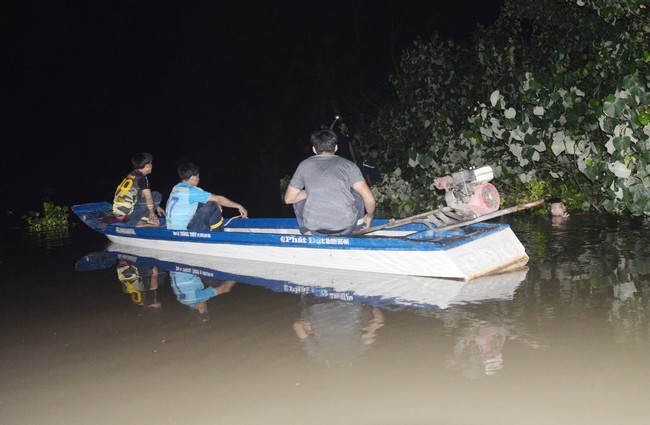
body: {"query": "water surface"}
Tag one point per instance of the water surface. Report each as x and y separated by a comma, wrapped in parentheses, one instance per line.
(566, 342)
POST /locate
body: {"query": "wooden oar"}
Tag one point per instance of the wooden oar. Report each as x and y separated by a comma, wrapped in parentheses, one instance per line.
(397, 223)
(495, 214)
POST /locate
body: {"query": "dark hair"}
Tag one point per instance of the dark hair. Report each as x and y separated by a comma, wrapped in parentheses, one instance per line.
(553, 201)
(187, 170)
(139, 160)
(323, 141)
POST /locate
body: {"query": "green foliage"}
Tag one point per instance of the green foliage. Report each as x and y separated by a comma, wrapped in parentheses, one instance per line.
(284, 184)
(401, 198)
(554, 96)
(53, 217)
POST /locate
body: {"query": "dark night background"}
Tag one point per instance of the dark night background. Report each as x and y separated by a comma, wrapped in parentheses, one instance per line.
(236, 87)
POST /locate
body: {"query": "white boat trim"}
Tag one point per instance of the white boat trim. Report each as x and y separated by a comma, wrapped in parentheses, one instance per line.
(494, 253)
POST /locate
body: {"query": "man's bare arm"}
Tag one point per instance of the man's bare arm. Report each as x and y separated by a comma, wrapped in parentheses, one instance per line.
(368, 200)
(293, 195)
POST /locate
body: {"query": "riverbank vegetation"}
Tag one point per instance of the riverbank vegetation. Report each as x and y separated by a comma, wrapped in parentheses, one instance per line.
(554, 96)
(53, 217)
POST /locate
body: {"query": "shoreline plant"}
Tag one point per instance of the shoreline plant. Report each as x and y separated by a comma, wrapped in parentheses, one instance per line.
(53, 217)
(554, 96)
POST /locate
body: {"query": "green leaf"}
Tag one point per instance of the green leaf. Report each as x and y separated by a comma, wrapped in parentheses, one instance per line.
(510, 123)
(528, 152)
(609, 206)
(640, 194)
(633, 84)
(590, 123)
(621, 143)
(591, 172)
(425, 160)
(643, 119)
(613, 106)
(571, 119)
(412, 153)
(531, 140)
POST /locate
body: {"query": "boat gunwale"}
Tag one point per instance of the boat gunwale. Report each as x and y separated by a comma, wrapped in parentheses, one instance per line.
(410, 242)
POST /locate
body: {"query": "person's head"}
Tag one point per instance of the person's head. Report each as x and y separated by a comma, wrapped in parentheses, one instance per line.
(343, 127)
(141, 160)
(187, 171)
(323, 141)
(373, 151)
(557, 208)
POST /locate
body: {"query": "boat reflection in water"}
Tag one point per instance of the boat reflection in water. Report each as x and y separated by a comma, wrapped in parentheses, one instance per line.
(340, 311)
(378, 290)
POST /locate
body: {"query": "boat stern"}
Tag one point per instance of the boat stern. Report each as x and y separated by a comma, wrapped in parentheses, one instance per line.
(496, 253)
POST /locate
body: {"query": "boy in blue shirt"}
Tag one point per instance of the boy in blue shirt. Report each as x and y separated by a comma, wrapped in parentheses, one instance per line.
(191, 208)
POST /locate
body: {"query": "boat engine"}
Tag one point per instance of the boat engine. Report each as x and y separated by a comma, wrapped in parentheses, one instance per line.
(469, 193)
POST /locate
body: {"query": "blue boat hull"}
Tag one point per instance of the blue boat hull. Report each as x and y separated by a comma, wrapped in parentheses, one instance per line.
(464, 253)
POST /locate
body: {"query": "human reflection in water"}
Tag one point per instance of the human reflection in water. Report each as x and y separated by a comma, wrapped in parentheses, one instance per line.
(479, 349)
(336, 332)
(141, 282)
(193, 292)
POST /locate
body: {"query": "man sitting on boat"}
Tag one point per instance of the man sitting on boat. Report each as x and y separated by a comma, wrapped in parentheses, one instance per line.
(329, 194)
(133, 197)
(192, 208)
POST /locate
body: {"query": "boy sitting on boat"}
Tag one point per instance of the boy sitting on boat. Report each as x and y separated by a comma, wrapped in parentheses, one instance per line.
(133, 197)
(191, 208)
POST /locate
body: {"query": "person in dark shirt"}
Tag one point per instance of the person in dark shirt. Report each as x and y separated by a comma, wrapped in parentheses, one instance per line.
(344, 141)
(370, 167)
(328, 192)
(133, 197)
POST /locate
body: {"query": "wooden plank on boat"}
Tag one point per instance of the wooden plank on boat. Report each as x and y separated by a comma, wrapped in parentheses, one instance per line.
(450, 213)
(446, 218)
(495, 214)
(432, 219)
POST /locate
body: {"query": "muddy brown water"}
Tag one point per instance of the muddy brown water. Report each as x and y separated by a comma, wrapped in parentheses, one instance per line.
(568, 342)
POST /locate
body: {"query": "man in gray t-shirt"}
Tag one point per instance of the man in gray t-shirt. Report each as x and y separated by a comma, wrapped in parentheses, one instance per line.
(329, 194)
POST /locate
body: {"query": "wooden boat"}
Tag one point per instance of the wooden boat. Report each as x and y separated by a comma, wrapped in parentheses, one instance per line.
(461, 251)
(388, 291)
